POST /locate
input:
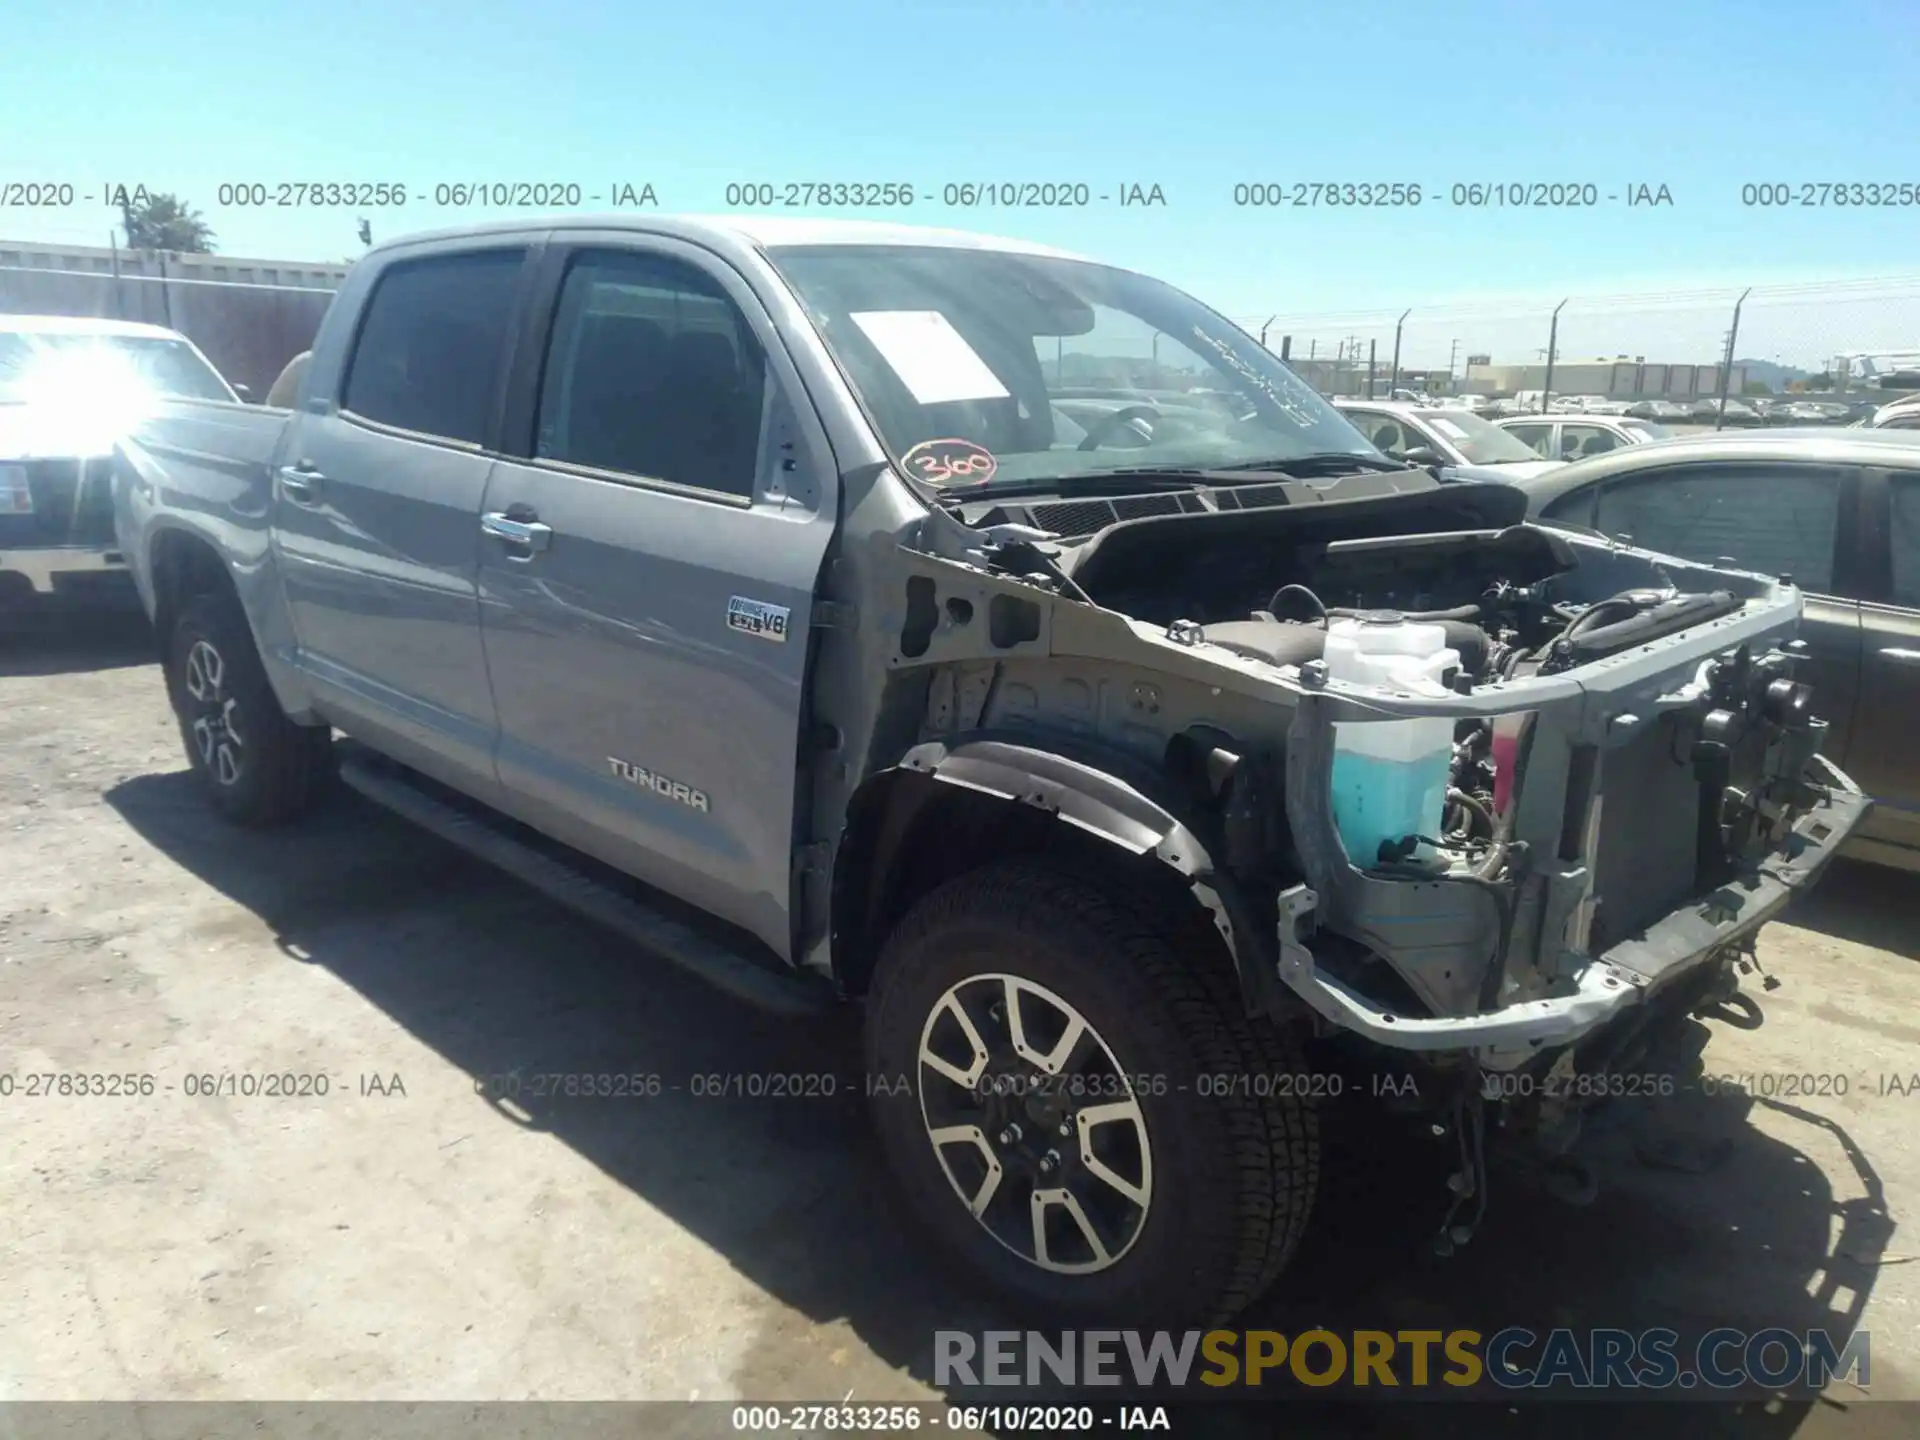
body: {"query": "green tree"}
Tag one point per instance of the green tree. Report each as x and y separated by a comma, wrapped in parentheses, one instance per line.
(1755, 387)
(165, 222)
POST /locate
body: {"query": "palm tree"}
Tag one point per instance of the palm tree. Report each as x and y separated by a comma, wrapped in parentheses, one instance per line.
(165, 222)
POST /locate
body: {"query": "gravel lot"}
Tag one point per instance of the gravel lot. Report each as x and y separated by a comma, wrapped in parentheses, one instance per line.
(403, 1236)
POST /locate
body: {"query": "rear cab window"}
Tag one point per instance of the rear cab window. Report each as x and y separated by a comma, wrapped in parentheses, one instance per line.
(427, 357)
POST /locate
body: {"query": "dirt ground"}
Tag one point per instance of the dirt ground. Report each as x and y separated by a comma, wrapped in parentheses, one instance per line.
(404, 1236)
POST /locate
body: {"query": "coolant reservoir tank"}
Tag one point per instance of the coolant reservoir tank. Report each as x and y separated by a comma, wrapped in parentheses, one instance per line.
(1389, 776)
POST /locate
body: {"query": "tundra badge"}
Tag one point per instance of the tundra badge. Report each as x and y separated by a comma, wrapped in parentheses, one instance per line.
(659, 784)
(756, 617)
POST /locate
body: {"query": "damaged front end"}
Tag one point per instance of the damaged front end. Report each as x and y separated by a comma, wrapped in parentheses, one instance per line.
(1633, 786)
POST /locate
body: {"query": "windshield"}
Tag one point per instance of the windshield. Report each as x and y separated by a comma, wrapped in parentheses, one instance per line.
(1480, 441)
(991, 366)
(66, 369)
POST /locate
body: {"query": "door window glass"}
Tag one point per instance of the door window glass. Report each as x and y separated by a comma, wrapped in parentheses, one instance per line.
(1533, 435)
(1905, 536)
(651, 371)
(430, 344)
(1777, 520)
(1579, 441)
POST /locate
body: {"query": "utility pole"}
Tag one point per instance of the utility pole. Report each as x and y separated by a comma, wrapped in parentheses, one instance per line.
(1553, 345)
(1726, 364)
(1452, 355)
(1395, 384)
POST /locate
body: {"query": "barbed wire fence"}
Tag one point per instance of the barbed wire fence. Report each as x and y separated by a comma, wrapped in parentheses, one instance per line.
(1814, 340)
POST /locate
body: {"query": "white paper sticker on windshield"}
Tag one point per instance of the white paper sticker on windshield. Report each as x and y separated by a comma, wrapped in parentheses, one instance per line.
(1446, 427)
(931, 356)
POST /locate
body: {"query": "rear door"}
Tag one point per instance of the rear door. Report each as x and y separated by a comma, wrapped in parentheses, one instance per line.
(1884, 759)
(648, 635)
(1771, 517)
(376, 509)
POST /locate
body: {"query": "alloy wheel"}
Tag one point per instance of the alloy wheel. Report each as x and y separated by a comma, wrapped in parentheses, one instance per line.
(1035, 1123)
(215, 734)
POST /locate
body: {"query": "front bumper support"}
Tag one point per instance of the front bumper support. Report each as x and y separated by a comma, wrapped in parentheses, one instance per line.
(1609, 983)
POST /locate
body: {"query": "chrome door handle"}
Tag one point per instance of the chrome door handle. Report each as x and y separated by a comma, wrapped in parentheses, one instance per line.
(530, 535)
(301, 483)
(1903, 657)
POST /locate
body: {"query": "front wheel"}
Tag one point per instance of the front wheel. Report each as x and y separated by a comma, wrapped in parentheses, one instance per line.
(257, 767)
(1089, 1121)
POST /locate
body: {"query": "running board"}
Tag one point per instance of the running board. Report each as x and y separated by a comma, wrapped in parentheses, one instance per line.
(712, 959)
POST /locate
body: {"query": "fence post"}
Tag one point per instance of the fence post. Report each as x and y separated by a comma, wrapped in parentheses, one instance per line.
(1395, 383)
(1263, 330)
(1553, 346)
(166, 290)
(119, 299)
(1371, 346)
(1726, 361)
(1286, 348)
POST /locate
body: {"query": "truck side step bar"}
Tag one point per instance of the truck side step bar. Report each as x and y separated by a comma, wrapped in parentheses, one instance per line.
(711, 958)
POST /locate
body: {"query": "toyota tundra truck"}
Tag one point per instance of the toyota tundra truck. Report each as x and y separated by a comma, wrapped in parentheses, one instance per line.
(981, 635)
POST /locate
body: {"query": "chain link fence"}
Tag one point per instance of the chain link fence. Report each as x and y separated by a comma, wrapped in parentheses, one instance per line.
(1810, 353)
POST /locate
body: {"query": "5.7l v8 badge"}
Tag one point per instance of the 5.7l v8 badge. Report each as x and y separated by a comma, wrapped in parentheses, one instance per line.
(756, 617)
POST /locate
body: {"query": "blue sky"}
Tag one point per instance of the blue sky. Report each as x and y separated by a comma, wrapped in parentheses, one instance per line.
(1194, 97)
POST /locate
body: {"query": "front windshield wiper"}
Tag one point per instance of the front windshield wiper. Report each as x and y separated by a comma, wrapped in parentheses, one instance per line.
(1323, 462)
(1320, 462)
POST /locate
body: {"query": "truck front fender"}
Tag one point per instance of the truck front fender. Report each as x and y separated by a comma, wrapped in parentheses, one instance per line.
(1086, 794)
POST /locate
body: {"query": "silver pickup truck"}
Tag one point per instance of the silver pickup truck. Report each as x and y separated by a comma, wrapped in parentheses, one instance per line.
(1009, 643)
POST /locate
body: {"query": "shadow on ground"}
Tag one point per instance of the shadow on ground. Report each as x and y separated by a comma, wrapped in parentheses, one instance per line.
(46, 638)
(1733, 1228)
(1867, 904)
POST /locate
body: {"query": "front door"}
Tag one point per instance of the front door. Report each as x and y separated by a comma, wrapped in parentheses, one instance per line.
(1884, 760)
(647, 575)
(375, 506)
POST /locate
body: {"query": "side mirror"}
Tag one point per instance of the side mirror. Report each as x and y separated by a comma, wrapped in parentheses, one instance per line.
(1420, 455)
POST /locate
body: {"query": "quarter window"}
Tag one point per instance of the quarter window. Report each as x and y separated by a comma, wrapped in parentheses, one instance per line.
(429, 348)
(1777, 520)
(652, 371)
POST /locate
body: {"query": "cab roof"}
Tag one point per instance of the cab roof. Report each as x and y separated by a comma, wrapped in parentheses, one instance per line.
(763, 232)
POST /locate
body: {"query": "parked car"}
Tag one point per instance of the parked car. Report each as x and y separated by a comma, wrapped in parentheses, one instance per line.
(1736, 412)
(1574, 439)
(1785, 502)
(1478, 404)
(1900, 415)
(68, 388)
(1433, 435)
(741, 582)
(1658, 410)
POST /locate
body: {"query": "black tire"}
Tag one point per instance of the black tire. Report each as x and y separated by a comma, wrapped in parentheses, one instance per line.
(276, 769)
(1234, 1156)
